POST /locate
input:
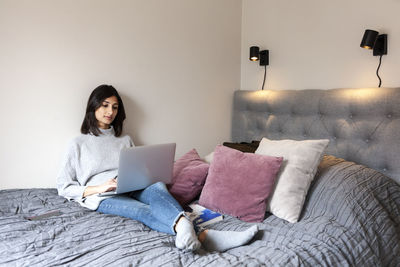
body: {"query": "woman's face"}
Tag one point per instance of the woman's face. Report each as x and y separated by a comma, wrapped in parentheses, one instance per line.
(106, 113)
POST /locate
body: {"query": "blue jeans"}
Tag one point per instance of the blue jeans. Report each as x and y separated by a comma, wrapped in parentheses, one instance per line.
(153, 206)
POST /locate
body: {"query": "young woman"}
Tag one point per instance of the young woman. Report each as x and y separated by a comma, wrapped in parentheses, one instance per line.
(90, 167)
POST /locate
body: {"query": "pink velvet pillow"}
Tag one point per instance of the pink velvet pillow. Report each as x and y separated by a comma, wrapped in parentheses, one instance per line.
(239, 183)
(190, 173)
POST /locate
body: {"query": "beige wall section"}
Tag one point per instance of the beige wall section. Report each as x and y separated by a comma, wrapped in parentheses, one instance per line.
(176, 64)
(316, 44)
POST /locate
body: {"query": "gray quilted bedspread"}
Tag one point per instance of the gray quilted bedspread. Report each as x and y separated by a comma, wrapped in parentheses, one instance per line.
(351, 218)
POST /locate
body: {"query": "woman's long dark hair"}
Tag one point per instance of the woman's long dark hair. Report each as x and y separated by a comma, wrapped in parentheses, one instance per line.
(96, 98)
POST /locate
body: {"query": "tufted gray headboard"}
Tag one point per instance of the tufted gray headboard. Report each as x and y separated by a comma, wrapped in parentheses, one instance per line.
(363, 125)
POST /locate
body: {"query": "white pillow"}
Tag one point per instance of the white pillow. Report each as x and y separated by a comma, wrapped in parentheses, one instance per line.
(300, 163)
(208, 158)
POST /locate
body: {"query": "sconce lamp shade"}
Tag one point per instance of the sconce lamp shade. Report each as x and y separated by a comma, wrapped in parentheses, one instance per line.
(373, 40)
(369, 38)
(254, 53)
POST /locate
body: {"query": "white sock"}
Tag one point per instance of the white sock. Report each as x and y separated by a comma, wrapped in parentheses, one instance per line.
(186, 237)
(224, 240)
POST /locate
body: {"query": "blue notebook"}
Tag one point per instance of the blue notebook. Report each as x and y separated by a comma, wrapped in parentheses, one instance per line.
(202, 216)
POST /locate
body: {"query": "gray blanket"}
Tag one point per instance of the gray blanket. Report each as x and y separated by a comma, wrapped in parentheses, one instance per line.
(351, 218)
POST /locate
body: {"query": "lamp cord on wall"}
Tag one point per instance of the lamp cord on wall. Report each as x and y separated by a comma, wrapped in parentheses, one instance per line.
(265, 73)
(377, 71)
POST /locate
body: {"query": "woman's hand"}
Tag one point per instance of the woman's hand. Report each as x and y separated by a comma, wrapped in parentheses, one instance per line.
(109, 185)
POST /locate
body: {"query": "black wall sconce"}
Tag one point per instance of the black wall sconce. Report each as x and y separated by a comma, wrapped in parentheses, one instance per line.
(262, 56)
(378, 43)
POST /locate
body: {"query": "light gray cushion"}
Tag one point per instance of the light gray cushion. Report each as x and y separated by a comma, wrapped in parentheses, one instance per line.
(300, 162)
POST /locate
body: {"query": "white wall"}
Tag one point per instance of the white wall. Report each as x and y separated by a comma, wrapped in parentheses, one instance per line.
(176, 64)
(316, 43)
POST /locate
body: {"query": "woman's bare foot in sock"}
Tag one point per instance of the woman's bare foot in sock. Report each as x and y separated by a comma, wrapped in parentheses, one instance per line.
(213, 240)
(186, 237)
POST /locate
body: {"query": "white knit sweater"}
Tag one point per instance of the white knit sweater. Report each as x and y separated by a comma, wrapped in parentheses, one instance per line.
(90, 160)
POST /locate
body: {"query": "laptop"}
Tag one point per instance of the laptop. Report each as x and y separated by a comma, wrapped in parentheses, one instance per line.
(142, 166)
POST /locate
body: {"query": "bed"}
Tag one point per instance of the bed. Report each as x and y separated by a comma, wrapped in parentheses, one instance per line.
(351, 216)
